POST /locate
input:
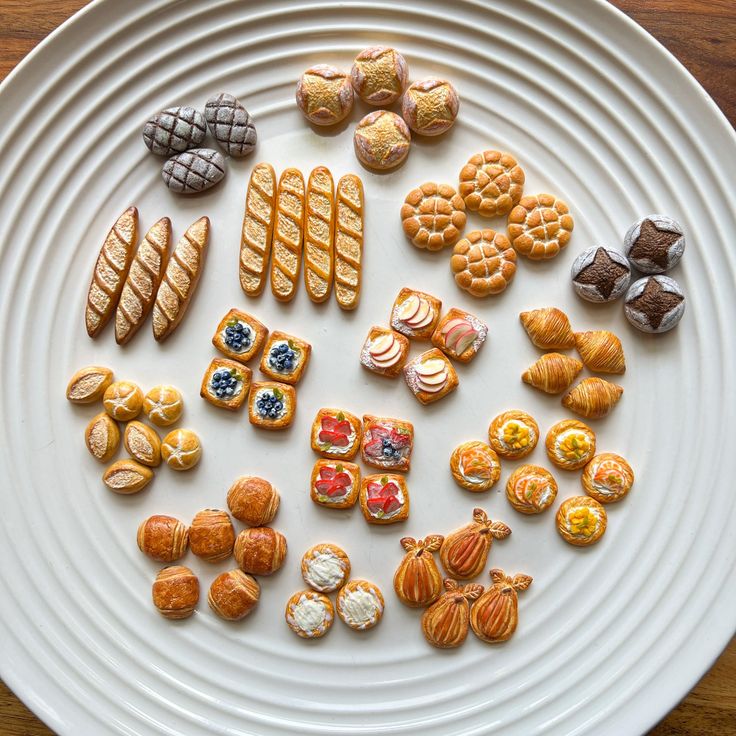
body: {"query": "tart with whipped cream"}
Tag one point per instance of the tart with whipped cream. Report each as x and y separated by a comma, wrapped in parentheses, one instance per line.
(475, 466)
(360, 604)
(309, 614)
(325, 567)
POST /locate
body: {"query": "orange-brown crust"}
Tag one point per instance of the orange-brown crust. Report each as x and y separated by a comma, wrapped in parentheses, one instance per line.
(253, 500)
(211, 535)
(175, 592)
(260, 550)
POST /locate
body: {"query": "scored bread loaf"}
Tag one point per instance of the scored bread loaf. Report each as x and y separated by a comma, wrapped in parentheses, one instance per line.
(348, 241)
(319, 234)
(288, 235)
(258, 221)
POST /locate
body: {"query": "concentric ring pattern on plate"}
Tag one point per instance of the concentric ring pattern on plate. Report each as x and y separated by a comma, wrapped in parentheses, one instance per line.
(596, 112)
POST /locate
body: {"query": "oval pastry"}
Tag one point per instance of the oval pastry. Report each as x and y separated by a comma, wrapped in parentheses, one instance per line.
(381, 140)
(360, 604)
(513, 434)
(581, 521)
(174, 130)
(324, 94)
(309, 614)
(553, 373)
(430, 106)
(601, 351)
(607, 478)
(531, 489)
(475, 466)
(102, 437)
(88, 384)
(494, 616)
(570, 444)
(417, 580)
(445, 623)
(491, 183)
(325, 567)
(230, 124)
(483, 263)
(433, 216)
(540, 226)
(548, 328)
(593, 398)
(194, 171)
(379, 75)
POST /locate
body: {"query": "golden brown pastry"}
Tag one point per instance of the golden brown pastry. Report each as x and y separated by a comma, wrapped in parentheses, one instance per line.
(607, 478)
(384, 498)
(260, 550)
(495, 615)
(483, 263)
(491, 183)
(285, 357)
(384, 351)
(211, 535)
(163, 405)
(319, 235)
(360, 604)
(570, 444)
(335, 484)
(252, 500)
(430, 376)
(176, 592)
(180, 280)
(233, 595)
(271, 404)
(163, 538)
(142, 282)
(540, 226)
(309, 614)
(336, 434)
(257, 234)
(430, 106)
(110, 272)
(465, 551)
(387, 443)
(123, 400)
(433, 216)
(460, 335)
(531, 489)
(88, 384)
(417, 580)
(553, 373)
(513, 434)
(379, 75)
(475, 466)
(581, 520)
(181, 449)
(324, 94)
(593, 398)
(415, 313)
(288, 235)
(127, 477)
(548, 328)
(102, 437)
(348, 241)
(226, 384)
(446, 622)
(601, 351)
(325, 567)
(143, 444)
(239, 336)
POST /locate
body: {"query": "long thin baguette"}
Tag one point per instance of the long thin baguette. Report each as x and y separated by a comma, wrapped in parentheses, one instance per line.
(288, 234)
(348, 241)
(319, 235)
(255, 240)
(181, 278)
(144, 277)
(110, 271)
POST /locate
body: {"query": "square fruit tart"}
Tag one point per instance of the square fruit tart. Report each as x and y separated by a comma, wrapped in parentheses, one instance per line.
(460, 335)
(285, 357)
(384, 351)
(271, 405)
(239, 336)
(335, 484)
(387, 443)
(384, 499)
(415, 314)
(336, 433)
(430, 376)
(226, 384)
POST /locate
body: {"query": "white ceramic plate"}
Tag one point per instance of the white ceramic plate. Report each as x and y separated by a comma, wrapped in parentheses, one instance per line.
(610, 637)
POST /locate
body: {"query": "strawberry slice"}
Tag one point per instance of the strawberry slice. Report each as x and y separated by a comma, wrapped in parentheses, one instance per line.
(374, 490)
(389, 490)
(343, 427)
(329, 423)
(399, 440)
(374, 448)
(375, 505)
(342, 479)
(324, 486)
(337, 490)
(333, 438)
(327, 472)
(391, 504)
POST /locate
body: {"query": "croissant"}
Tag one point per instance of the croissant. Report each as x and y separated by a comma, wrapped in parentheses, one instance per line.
(593, 398)
(601, 351)
(548, 328)
(553, 373)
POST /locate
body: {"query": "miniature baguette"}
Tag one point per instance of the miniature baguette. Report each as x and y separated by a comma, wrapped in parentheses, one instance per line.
(319, 235)
(144, 278)
(111, 269)
(181, 278)
(288, 234)
(255, 240)
(348, 241)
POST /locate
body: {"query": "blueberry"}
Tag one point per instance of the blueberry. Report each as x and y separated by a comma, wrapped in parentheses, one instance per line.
(279, 405)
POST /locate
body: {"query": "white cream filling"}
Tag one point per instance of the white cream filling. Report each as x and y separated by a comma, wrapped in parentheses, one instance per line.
(360, 608)
(325, 571)
(310, 615)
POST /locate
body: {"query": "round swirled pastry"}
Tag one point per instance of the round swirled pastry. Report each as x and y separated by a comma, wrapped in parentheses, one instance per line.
(607, 477)
(309, 614)
(325, 567)
(360, 604)
(581, 521)
(570, 444)
(475, 466)
(513, 434)
(531, 489)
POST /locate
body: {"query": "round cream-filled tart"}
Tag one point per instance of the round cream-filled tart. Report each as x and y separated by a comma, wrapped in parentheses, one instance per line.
(570, 444)
(475, 466)
(531, 489)
(309, 614)
(513, 434)
(325, 567)
(581, 521)
(360, 604)
(607, 477)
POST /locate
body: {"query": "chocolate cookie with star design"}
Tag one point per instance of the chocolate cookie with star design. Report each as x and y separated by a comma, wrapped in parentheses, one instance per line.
(600, 274)
(654, 304)
(655, 243)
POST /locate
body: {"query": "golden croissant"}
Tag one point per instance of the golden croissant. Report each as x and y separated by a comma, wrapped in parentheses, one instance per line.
(553, 373)
(601, 351)
(548, 328)
(593, 398)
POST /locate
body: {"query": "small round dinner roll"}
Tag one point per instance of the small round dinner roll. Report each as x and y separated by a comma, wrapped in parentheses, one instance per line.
(176, 592)
(123, 400)
(163, 538)
(253, 500)
(181, 449)
(211, 535)
(233, 595)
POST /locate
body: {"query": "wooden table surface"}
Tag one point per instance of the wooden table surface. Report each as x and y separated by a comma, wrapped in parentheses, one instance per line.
(702, 35)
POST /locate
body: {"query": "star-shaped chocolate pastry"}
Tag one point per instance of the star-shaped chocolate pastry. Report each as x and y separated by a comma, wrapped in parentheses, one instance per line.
(603, 273)
(654, 303)
(653, 245)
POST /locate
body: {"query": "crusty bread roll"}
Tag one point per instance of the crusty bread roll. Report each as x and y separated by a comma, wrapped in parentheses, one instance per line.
(288, 235)
(255, 240)
(348, 241)
(319, 235)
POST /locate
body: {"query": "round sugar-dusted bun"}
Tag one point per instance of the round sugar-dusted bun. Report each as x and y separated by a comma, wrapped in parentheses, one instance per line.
(381, 140)
(654, 304)
(324, 94)
(655, 243)
(379, 75)
(430, 107)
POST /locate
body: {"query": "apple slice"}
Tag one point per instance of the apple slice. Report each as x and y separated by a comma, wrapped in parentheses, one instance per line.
(409, 308)
(465, 341)
(458, 321)
(381, 344)
(420, 315)
(430, 367)
(437, 379)
(389, 358)
(432, 388)
(454, 333)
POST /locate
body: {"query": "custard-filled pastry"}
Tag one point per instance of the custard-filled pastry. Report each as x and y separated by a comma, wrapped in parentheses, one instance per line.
(325, 567)
(540, 226)
(430, 376)
(601, 351)
(288, 235)
(384, 351)
(553, 373)
(460, 335)
(226, 384)
(271, 405)
(415, 314)
(417, 580)
(360, 604)
(285, 357)
(607, 478)
(593, 398)
(335, 484)
(446, 622)
(570, 444)
(384, 499)
(239, 336)
(309, 614)
(495, 615)
(548, 328)
(475, 466)
(581, 520)
(387, 443)
(491, 183)
(513, 434)
(336, 434)
(531, 489)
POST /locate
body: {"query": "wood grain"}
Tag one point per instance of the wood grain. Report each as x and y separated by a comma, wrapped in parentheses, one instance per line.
(702, 34)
